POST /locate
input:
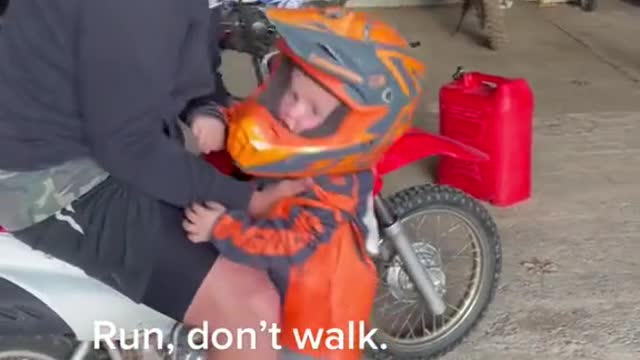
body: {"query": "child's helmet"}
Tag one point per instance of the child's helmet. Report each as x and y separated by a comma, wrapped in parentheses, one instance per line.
(365, 63)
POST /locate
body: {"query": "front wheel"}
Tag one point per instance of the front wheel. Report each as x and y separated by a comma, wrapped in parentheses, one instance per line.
(464, 272)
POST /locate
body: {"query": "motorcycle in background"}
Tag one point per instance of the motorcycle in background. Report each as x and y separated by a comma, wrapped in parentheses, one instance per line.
(434, 285)
(588, 5)
(490, 14)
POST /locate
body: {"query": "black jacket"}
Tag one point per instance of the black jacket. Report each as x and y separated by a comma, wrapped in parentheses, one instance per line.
(106, 79)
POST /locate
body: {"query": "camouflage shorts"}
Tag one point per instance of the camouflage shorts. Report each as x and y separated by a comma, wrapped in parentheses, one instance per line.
(27, 198)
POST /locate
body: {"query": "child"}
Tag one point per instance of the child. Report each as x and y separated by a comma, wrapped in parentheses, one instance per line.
(344, 90)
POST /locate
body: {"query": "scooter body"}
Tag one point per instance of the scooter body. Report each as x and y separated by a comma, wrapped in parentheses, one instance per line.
(41, 295)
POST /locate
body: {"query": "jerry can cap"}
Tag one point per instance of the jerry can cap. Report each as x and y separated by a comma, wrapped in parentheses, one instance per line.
(460, 71)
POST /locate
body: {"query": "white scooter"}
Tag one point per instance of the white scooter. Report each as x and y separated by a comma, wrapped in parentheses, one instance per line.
(46, 304)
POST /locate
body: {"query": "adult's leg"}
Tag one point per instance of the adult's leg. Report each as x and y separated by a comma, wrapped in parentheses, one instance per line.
(224, 294)
(136, 245)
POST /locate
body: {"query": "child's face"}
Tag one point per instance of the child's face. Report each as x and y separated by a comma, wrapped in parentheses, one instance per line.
(305, 105)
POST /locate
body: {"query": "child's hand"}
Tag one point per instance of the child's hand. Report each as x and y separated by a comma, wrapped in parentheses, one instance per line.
(209, 132)
(199, 220)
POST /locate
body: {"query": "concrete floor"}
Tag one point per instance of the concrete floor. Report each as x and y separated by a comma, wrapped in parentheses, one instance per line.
(584, 216)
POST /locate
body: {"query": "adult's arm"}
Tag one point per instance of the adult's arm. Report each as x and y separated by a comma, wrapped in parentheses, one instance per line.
(219, 96)
(129, 52)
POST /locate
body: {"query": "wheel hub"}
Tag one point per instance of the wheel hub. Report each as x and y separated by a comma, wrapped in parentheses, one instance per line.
(399, 283)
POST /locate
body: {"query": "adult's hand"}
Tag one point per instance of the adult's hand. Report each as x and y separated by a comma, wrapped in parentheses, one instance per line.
(261, 201)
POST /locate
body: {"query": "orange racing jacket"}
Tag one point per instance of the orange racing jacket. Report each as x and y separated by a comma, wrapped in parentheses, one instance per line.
(313, 246)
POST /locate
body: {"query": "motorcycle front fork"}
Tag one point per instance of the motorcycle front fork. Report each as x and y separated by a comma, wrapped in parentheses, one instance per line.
(394, 231)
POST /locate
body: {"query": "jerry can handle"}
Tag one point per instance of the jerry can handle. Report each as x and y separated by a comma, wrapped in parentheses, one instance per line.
(473, 79)
(492, 81)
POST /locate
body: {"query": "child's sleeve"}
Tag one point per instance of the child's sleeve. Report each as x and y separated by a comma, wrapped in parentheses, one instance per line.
(287, 236)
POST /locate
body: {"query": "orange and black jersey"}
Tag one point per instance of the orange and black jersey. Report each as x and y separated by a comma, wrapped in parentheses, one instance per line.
(296, 226)
(313, 246)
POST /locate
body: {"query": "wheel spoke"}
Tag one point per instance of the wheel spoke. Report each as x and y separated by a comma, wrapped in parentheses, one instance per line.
(452, 307)
(451, 229)
(408, 318)
(465, 277)
(424, 326)
(396, 318)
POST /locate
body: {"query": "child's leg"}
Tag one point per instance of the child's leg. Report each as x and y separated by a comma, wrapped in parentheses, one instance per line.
(240, 297)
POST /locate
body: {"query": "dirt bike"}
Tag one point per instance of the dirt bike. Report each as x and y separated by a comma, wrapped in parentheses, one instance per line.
(52, 310)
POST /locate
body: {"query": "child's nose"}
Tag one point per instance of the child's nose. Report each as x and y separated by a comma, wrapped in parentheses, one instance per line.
(295, 115)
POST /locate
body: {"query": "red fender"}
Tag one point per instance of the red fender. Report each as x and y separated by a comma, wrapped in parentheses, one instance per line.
(417, 144)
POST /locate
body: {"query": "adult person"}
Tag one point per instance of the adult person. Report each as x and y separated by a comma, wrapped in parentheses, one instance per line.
(93, 169)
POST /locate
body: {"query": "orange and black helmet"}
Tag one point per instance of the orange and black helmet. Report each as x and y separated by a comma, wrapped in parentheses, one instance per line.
(363, 62)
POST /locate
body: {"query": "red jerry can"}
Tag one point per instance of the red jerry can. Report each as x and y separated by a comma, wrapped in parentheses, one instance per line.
(495, 115)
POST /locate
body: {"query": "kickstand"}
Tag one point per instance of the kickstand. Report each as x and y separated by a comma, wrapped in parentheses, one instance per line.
(466, 4)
